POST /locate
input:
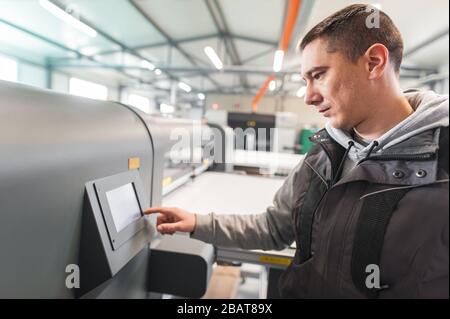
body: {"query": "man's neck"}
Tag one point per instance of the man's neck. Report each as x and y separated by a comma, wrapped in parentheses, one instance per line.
(358, 138)
(386, 115)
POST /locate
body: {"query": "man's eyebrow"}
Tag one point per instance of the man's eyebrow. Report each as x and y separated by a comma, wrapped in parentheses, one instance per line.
(315, 69)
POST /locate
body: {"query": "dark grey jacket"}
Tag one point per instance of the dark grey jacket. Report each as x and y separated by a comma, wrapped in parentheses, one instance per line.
(330, 221)
(413, 256)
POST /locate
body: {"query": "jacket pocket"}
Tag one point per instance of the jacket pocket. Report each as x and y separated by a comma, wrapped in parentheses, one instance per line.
(300, 281)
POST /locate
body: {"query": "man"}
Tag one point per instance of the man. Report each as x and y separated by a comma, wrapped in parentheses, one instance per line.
(368, 206)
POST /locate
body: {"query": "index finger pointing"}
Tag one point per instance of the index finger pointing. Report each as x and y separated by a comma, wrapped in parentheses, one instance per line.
(153, 210)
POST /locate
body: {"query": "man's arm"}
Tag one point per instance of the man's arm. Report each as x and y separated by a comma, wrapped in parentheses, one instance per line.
(272, 229)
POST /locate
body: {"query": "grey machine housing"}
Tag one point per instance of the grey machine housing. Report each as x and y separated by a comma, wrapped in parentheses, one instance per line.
(55, 151)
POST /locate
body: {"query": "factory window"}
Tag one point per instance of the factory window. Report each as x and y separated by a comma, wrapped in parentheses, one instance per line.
(8, 69)
(140, 102)
(88, 89)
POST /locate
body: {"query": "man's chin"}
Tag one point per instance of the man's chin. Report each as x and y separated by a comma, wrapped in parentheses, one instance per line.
(339, 125)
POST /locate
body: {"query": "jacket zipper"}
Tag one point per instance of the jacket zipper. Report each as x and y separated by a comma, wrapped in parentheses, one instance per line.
(350, 218)
(317, 173)
(398, 157)
(404, 187)
(331, 168)
(318, 204)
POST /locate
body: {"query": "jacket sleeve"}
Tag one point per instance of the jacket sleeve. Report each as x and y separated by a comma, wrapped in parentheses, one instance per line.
(270, 230)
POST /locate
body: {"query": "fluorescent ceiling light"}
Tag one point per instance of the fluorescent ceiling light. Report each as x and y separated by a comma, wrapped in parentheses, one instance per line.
(184, 87)
(158, 72)
(67, 18)
(166, 108)
(147, 65)
(272, 85)
(278, 60)
(212, 55)
(301, 91)
(201, 96)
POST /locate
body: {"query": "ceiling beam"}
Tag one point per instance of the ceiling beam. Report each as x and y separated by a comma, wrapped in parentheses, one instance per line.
(233, 90)
(257, 55)
(425, 43)
(274, 44)
(231, 44)
(156, 45)
(113, 40)
(42, 38)
(169, 39)
(22, 60)
(220, 22)
(67, 49)
(179, 41)
(195, 71)
(226, 32)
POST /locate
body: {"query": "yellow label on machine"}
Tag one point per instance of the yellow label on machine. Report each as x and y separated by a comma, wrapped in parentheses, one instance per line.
(166, 181)
(275, 260)
(134, 163)
(206, 162)
(251, 123)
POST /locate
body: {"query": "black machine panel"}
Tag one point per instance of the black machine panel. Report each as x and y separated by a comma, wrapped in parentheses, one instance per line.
(114, 230)
(260, 123)
(121, 206)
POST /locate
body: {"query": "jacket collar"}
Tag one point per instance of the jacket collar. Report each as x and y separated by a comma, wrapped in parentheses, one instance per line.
(411, 162)
(425, 142)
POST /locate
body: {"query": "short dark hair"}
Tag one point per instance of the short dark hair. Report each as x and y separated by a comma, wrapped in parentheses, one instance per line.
(346, 31)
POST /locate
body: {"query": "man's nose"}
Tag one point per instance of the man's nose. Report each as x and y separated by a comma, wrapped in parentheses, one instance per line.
(312, 97)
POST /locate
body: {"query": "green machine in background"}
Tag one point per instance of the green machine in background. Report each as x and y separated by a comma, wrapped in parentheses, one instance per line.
(303, 140)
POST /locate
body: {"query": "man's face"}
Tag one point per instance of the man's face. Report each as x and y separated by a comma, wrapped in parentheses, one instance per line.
(335, 85)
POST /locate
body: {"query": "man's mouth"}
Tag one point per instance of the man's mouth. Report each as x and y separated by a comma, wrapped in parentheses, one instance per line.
(323, 110)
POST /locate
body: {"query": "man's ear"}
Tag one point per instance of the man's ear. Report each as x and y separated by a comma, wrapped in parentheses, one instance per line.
(376, 58)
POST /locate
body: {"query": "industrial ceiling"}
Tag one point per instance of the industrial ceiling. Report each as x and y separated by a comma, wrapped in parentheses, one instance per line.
(153, 43)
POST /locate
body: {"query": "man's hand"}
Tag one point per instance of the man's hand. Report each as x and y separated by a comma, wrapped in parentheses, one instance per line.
(172, 219)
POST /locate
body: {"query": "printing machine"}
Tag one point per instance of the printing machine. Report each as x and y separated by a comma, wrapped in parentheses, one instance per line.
(75, 176)
(269, 154)
(69, 166)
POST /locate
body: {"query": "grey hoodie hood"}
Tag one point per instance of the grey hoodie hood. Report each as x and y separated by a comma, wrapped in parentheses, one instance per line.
(430, 111)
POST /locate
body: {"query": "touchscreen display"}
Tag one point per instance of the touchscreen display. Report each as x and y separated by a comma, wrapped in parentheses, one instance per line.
(124, 206)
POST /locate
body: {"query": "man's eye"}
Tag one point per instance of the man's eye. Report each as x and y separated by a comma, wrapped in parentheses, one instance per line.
(317, 76)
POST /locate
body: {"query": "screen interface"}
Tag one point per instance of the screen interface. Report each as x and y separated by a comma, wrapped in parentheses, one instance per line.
(124, 206)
